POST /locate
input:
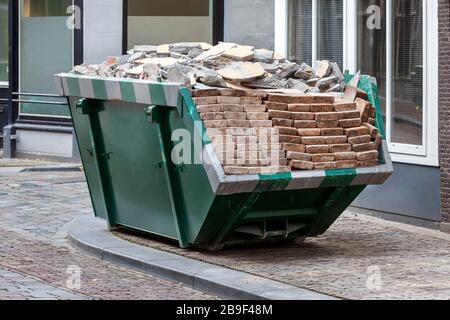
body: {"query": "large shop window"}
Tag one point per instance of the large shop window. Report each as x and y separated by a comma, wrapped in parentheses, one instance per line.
(169, 21)
(3, 43)
(394, 53)
(46, 48)
(395, 41)
(316, 30)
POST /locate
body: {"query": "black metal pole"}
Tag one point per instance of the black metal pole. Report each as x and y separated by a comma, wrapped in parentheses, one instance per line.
(13, 59)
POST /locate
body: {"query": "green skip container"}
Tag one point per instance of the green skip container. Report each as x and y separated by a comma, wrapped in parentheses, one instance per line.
(124, 130)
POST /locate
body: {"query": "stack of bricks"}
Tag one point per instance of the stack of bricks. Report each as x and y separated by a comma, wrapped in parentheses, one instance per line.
(256, 132)
(319, 132)
(241, 131)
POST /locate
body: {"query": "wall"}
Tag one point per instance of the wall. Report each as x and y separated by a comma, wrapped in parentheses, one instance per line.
(412, 191)
(444, 105)
(102, 29)
(250, 22)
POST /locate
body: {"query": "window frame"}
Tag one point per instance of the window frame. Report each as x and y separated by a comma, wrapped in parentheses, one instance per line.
(428, 153)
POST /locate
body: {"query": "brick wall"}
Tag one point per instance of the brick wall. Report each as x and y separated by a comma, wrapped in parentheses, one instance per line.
(444, 105)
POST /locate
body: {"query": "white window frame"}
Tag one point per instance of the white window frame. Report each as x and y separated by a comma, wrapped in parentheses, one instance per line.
(428, 154)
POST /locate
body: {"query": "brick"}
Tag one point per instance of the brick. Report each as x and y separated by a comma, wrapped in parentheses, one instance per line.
(360, 140)
(212, 116)
(337, 148)
(272, 154)
(280, 114)
(302, 165)
(309, 132)
(346, 164)
(255, 109)
(201, 101)
(323, 98)
(344, 106)
(327, 124)
(236, 170)
(232, 108)
(336, 139)
(293, 147)
(282, 122)
(246, 146)
(303, 116)
(287, 131)
(290, 139)
(327, 157)
(372, 121)
(317, 149)
(358, 131)
(364, 108)
(305, 124)
(332, 131)
(368, 163)
(348, 115)
(241, 132)
(232, 93)
(344, 156)
(269, 146)
(299, 108)
(276, 106)
(321, 107)
(308, 141)
(363, 147)
(290, 98)
(327, 116)
(216, 131)
(256, 93)
(350, 123)
(251, 100)
(228, 100)
(257, 116)
(373, 112)
(325, 165)
(235, 115)
(292, 155)
(238, 123)
(215, 124)
(206, 93)
(209, 108)
(367, 155)
(374, 133)
(261, 123)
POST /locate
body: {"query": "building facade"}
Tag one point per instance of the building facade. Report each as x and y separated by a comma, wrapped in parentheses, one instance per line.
(403, 43)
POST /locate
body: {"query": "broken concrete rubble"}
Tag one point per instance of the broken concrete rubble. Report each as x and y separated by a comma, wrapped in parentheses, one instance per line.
(226, 65)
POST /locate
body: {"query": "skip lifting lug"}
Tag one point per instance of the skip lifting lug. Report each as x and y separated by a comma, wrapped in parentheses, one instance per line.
(149, 112)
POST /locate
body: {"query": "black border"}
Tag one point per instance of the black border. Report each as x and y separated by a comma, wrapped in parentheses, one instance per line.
(78, 43)
(217, 27)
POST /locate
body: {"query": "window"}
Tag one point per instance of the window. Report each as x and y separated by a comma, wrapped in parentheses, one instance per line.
(396, 53)
(399, 48)
(189, 20)
(3, 42)
(316, 30)
(45, 48)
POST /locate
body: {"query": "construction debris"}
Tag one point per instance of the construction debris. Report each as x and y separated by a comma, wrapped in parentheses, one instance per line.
(226, 65)
(296, 117)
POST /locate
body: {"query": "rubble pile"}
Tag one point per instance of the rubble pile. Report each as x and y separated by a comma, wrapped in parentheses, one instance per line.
(226, 65)
(263, 113)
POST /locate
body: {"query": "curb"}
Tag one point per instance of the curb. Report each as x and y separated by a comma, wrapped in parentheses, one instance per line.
(92, 236)
(56, 168)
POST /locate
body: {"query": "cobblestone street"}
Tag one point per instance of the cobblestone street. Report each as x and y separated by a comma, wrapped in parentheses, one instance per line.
(347, 262)
(36, 262)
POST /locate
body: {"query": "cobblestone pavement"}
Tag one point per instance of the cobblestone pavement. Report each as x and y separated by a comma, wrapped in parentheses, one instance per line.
(36, 262)
(359, 258)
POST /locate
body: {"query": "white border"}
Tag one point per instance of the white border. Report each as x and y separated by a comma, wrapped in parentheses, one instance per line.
(427, 155)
